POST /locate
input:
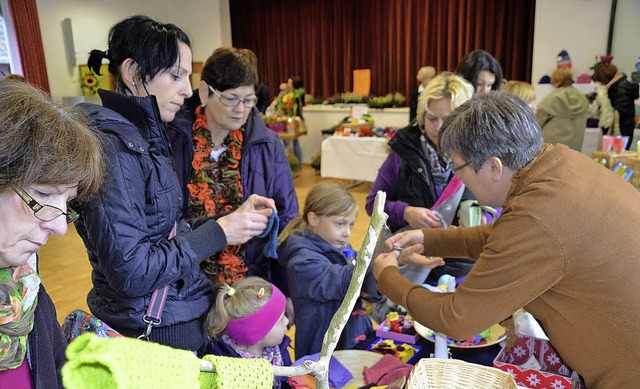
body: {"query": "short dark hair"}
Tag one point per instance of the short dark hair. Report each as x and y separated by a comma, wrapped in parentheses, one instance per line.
(475, 62)
(152, 45)
(230, 67)
(297, 83)
(498, 124)
(604, 73)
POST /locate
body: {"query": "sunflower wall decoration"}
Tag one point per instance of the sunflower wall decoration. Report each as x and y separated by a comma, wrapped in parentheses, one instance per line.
(90, 82)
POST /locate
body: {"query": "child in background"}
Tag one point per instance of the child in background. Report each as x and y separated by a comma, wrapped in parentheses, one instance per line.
(247, 321)
(315, 250)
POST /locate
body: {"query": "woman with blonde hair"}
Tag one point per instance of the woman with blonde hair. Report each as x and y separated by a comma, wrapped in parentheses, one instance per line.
(562, 114)
(524, 90)
(416, 173)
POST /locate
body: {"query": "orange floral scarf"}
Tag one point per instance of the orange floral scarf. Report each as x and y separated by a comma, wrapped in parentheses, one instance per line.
(216, 188)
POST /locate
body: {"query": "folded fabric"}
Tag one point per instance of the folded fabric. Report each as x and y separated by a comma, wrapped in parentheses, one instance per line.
(387, 370)
(237, 373)
(271, 233)
(127, 363)
(338, 374)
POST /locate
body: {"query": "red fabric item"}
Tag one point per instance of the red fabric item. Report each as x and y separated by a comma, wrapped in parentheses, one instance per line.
(387, 370)
(306, 381)
(29, 37)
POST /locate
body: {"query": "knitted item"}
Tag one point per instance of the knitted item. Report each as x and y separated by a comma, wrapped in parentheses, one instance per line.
(237, 373)
(271, 233)
(387, 370)
(95, 362)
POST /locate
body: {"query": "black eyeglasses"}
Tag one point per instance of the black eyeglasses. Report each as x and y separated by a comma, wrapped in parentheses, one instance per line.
(455, 169)
(233, 101)
(46, 213)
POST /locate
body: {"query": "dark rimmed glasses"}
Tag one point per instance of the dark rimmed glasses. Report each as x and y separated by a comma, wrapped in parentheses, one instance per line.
(455, 169)
(233, 101)
(46, 213)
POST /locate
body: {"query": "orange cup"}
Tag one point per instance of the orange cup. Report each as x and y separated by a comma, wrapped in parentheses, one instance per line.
(618, 145)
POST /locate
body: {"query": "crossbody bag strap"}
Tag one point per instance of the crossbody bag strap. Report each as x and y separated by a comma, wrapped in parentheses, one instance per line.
(153, 317)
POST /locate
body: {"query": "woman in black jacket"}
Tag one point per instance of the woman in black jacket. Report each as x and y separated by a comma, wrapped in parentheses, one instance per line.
(622, 94)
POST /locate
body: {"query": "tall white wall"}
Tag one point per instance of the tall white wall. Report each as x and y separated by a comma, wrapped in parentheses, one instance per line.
(206, 22)
(581, 27)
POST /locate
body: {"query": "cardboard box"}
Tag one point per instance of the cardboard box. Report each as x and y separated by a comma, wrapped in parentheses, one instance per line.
(382, 332)
(400, 354)
(553, 373)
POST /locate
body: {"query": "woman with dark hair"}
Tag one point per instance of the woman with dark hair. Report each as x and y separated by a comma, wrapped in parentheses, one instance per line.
(482, 70)
(224, 153)
(622, 95)
(48, 157)
(142, 252)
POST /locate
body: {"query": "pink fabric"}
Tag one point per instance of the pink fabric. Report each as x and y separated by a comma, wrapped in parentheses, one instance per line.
(451, 188)
(251, 329)
(387, 370)
(18, 378)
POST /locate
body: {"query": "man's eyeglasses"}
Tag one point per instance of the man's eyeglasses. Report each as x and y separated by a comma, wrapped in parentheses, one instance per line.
(455, 169)
(45, 213)
(234, 101)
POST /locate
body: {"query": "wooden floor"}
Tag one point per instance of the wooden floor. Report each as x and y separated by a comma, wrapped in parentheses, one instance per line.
(66, 272)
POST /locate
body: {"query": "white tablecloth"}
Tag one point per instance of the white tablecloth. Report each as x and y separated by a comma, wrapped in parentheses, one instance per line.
(323, 117)
(353, 158)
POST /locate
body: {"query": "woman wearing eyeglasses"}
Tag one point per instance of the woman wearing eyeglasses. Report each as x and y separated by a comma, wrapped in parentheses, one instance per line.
(39, 175)
(224, 153)
(137, 242)
(416, 174)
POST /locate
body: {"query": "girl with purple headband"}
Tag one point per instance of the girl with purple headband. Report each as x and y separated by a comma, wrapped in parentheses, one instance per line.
(247, 321)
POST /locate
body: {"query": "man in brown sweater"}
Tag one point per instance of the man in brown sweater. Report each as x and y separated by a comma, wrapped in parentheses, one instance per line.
(565, 248)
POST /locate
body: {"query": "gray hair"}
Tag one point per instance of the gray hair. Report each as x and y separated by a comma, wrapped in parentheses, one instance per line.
(497, 124)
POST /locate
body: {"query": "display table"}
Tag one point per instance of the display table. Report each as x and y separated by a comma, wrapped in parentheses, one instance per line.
(321, 117)
(353, 158)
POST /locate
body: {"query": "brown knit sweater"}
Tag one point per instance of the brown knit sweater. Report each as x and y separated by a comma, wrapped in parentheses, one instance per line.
(566, 248)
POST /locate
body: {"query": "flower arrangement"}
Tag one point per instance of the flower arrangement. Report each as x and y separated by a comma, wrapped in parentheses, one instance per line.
(289, 103)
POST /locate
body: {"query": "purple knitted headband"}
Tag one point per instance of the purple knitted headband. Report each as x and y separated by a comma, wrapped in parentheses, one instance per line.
(251, 329)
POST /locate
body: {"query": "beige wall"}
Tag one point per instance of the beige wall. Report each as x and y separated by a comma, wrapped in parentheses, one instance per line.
(582, 27)
(206, 22)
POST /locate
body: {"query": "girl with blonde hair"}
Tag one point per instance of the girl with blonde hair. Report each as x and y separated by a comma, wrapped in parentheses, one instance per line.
(247, 320)
(319, 260)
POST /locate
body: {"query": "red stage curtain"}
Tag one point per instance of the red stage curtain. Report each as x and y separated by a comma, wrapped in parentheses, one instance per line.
(323, 41)
(27, 25)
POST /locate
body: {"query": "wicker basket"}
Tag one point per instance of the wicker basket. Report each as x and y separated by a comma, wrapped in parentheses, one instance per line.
(629, 158)
(433, 373)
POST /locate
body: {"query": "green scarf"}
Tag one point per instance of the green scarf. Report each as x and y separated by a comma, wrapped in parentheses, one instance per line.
(18, 299)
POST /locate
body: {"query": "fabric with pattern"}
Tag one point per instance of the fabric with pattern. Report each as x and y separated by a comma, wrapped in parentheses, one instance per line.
(18, 300)
(127, 363)
(237, 373)
(216, 188)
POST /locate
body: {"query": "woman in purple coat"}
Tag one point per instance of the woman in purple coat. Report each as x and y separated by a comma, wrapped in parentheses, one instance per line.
(223, 153)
